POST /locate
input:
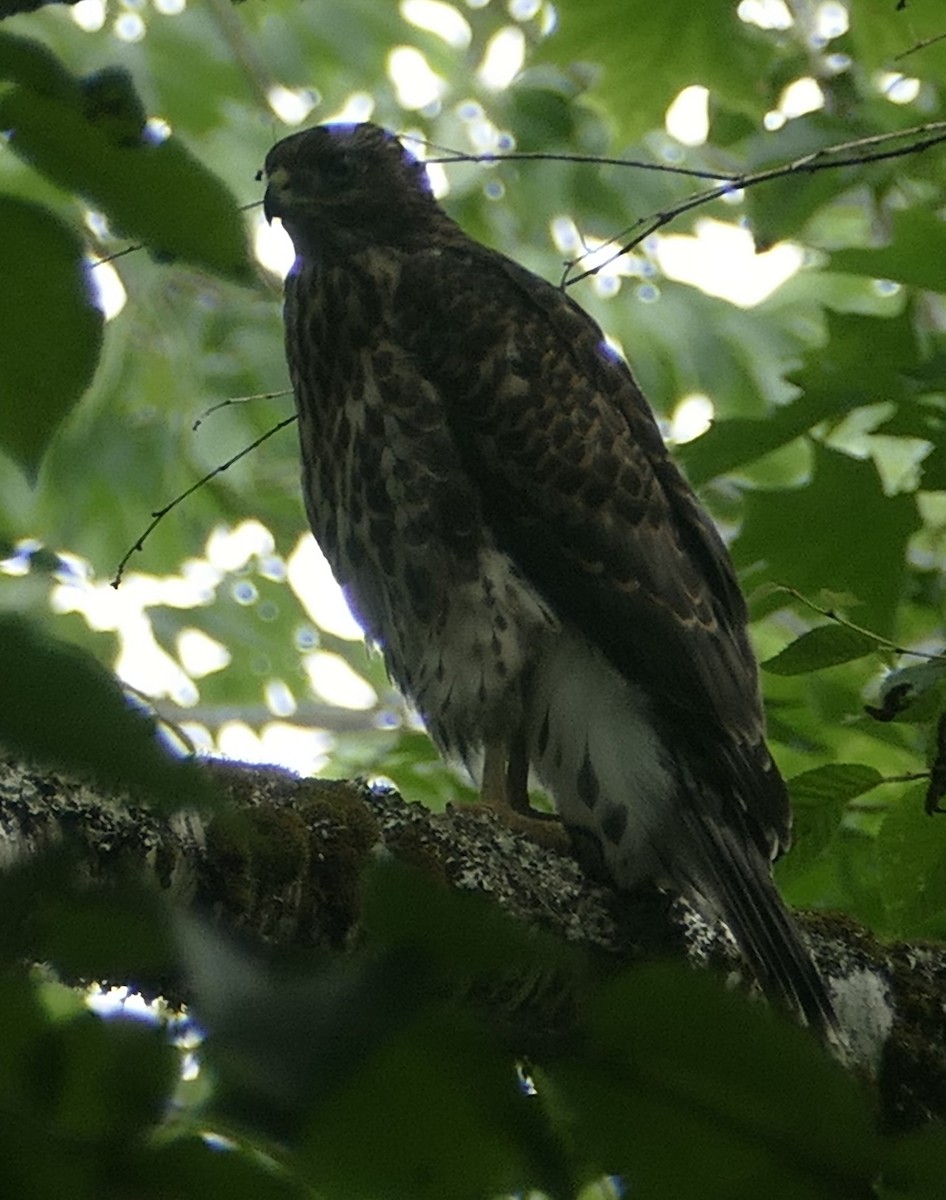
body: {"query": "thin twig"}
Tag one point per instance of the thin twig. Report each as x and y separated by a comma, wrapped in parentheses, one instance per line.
(107, 258)
(831, 615)
(455, 156)
(161, 513)
(930, 41)
(236, 400)
(931, 134)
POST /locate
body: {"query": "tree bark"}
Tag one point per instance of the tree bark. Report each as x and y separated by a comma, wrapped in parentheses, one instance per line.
(283, 862)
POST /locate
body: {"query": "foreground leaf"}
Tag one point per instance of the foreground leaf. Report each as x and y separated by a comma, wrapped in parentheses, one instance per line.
(83, 136)
(50, 328)
(60, 707)
(834, 784)
(688, 1090)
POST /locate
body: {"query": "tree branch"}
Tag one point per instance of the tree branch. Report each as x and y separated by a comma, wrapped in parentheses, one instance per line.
(284, 865)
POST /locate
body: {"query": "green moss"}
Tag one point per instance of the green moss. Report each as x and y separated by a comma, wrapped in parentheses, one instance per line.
(278, 846)
(229, 863)
(343, 832)
(341, 804)
(413, 846)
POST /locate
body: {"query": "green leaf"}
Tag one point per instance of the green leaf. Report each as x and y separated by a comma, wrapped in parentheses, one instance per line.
(690, 1090)
(837, 378)
(825, 646)
(390, 1028)
(842, 369)
(911, 863)
(915, 254)
(924, 417)
(190, 1167)
(882, 34)
(24, 61)
(839, 532)
(110, 101)
(819, 800)
(692, 43)
(438, 1110)
(779, 212)
(457, 931)
(60, 707)
(158, 194)
(914, 1166)
(50, 328)
(266, 1076)
(117, 929)
(110, 1080)
(834, 784)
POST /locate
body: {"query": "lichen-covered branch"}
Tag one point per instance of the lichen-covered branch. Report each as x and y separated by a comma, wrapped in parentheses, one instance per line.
(283, 862)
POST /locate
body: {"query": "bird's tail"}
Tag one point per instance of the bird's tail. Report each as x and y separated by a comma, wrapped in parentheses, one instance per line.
(630, 798)
(730, 874)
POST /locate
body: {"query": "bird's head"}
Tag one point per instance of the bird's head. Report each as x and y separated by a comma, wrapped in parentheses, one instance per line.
(347, 184)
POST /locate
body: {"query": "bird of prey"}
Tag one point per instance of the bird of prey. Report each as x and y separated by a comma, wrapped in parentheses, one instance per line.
(493, 494)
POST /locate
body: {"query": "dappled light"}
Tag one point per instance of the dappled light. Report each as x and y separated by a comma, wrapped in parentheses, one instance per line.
(723, 261)
(766, 14)
(89, 15)
(291, 105)
(272, 247)
(110, 292)
(687, 118)
(691, 418)
(311, 578)
(442, 19)
(503, 59)
(748, 198)
(416, 84)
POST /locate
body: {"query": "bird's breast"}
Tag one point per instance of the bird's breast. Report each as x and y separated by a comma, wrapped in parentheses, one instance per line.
(397, 514)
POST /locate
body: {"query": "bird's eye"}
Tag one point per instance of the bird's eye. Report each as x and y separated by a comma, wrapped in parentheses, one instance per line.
(338, 170)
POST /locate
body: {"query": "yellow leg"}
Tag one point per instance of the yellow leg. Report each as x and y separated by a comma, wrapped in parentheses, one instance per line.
(493, 786)
(504, 790)
(505, 785)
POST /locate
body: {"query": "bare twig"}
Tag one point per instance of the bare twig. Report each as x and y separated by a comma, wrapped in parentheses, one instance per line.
(163, 512)
(236, 400)
(827, 158)
(831, 615)
(930, 41)
(107, 258)
(455, 156)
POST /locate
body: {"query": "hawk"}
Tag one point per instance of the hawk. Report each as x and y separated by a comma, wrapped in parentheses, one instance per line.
(493, 494)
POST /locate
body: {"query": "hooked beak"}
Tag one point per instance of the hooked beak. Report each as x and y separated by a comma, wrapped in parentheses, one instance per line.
(269, 206)
(277, 185)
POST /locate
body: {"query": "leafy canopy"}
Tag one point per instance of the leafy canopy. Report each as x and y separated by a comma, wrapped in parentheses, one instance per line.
(136, 131)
